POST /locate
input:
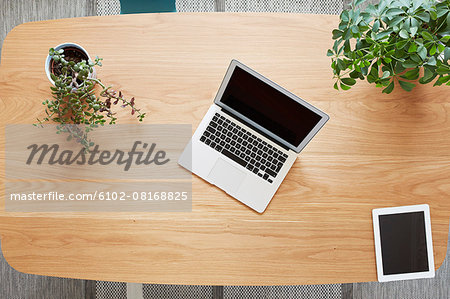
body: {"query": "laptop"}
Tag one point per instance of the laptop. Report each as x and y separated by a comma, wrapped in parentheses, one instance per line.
(250, 137)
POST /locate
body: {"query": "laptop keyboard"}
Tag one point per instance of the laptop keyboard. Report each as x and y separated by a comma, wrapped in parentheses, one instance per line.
(243, 147)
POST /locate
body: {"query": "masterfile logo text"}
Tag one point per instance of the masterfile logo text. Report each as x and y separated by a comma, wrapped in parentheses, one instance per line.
(140, 153)
(125, 168)
(136, 151)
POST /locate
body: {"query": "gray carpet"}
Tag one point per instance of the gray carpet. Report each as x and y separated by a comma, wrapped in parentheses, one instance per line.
(15, 12)
(16, 285)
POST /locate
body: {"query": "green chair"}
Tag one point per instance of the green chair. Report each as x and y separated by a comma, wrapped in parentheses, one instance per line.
(145, 6)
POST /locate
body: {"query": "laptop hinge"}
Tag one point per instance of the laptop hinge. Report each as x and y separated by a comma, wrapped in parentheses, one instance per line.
(256, 129)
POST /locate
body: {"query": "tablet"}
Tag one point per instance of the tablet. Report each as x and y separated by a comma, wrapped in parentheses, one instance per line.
(403, 244)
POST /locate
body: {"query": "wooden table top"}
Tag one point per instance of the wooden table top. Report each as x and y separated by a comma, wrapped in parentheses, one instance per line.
(376, 151)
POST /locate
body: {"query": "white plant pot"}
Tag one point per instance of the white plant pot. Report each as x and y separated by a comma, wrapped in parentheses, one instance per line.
(62, 46)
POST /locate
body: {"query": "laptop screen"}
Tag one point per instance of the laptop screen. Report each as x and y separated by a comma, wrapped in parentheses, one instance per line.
(269, 107)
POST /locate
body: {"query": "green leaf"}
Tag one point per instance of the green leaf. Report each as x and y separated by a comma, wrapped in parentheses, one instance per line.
(389, 88)
(446, 54)
(408, 86)
(404, 34)
(330, 53)
(344, 16)
(424, 17)
(376, 26)
(385, 74)
(426, 35)
(416, 58)
(441, 48)
(401, 44)
(428, 73)
(364, 70)
(383, 34)
(340, 64)
(337, 33)
(416, 5)
(412, 74)
(431, 61)
(441, 70)
(345, 87)
(385, 82)
(347, 34)
(414, 23)
(347, 46)
(422, 52)
(433, 50)
(412, 48)
(433, 15)
(437, 83)
(409, 64)
(395, 21)
(374, 71)
(441, 11)
(444, 79)
(428, 76)
(407, 24)
(371, 9)
(355, 74)
(382, 7)
(413, 30)
(394, 12)
(348, 81)
(336, 86)
(335, 67)
(445, 39)
(359, 2)
(336, 45)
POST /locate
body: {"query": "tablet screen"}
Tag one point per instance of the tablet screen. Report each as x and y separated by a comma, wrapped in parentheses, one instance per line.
(403, 243)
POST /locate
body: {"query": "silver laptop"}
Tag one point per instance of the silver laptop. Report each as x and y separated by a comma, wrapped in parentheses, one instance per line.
(251, 136)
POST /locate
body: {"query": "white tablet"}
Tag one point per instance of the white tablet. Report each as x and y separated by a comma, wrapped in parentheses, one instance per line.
(403, 244)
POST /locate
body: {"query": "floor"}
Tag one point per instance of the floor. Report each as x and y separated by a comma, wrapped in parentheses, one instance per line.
(18, 285)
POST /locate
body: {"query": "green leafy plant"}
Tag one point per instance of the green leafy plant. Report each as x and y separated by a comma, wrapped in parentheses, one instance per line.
(389, 43)
(75, 106)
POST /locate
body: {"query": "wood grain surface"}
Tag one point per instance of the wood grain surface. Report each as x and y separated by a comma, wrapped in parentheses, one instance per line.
(376, 151)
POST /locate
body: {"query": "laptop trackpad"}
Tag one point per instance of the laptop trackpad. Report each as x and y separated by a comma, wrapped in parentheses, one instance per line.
(226, 176)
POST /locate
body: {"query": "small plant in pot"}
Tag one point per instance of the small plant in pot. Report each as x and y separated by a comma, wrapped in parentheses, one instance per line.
(76, 106)
(391, 42)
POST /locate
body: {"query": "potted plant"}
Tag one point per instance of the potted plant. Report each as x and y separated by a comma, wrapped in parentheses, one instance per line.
(72, 52)
(391, 42)
(76, 106)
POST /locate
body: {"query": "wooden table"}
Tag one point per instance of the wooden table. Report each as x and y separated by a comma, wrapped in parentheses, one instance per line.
(376, 151)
